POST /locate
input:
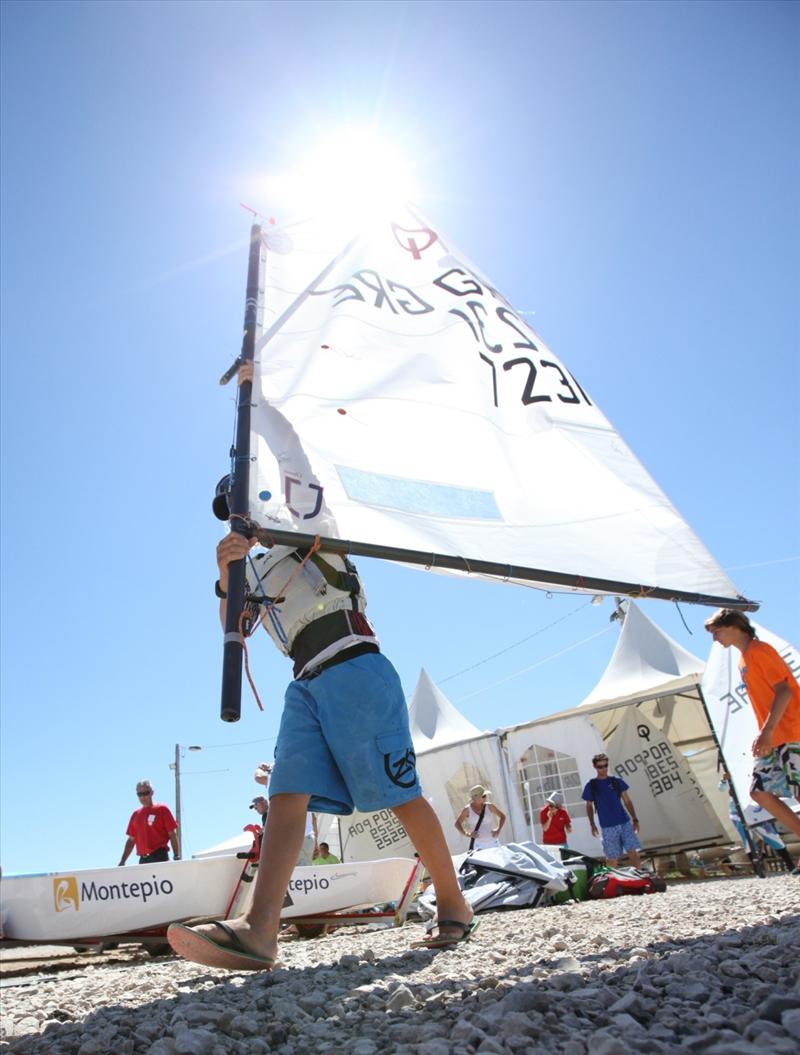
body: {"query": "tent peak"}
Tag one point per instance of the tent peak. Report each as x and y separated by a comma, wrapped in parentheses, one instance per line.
(646, 661)
(434, 720)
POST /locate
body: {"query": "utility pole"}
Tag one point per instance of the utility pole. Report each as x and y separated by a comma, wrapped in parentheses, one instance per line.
(176, 765)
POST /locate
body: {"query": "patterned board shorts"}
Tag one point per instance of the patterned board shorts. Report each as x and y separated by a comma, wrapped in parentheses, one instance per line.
(779, 772)
(344, 740)
(618, 839)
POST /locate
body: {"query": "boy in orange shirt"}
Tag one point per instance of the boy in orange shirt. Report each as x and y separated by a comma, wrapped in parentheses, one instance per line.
(775, 696)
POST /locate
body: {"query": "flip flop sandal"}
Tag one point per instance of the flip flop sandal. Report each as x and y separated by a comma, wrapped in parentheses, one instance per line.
(441, 942)
(200, 948)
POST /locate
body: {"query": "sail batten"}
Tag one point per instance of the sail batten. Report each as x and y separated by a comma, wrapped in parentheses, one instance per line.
(402, 404)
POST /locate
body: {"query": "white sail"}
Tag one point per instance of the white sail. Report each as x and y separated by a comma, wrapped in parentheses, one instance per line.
(400, 400)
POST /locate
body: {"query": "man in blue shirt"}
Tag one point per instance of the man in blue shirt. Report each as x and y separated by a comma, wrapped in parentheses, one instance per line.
(609, 795)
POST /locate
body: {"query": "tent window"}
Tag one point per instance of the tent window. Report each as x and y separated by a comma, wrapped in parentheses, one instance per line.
(545, 770)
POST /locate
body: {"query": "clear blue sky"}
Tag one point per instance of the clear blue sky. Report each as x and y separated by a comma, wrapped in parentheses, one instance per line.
(626, 171)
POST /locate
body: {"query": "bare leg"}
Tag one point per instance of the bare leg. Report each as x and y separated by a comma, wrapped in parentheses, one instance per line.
(425, 832)
(635, 858)
(612, 862)
(258, 928)
(779, 810)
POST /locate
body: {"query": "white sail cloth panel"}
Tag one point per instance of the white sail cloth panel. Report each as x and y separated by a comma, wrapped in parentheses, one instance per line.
(400, 400)
(671, 806)
(730, 708)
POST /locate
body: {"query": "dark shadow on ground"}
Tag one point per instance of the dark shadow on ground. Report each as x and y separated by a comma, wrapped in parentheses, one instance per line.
(563, 1006)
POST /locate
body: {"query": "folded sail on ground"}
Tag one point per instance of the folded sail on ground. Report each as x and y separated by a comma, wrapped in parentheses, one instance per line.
(401, 404)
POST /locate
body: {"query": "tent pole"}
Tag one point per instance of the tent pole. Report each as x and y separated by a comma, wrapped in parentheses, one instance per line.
(504, 778)
(757, 865)
(527, 786)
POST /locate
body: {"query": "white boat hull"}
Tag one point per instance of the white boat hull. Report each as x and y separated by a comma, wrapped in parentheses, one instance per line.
(108, 902)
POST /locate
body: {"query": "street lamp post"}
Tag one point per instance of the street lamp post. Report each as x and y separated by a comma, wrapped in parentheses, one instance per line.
(176, 765)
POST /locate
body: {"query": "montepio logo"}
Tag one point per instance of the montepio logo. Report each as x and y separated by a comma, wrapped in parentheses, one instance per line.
(65, 893)
(68, 897)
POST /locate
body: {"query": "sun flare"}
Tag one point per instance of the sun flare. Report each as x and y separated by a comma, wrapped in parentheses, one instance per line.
(354, 171)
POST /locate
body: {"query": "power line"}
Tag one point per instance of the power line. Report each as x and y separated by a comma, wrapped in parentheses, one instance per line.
(762, 563)
(197, 772)
(240, 743)
(516, 644)
(540, 663)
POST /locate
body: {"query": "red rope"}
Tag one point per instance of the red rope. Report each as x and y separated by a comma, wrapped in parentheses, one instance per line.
(242, 618)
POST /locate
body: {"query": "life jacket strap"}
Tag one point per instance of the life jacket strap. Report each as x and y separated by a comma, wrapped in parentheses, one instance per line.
(326, 631)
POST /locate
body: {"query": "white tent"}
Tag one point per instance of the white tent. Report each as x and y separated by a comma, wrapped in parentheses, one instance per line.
(668, 752)
(648, 710)
(646, 661)
(434, 720)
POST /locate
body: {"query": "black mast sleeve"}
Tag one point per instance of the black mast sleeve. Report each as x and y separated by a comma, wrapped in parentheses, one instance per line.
(231, 702)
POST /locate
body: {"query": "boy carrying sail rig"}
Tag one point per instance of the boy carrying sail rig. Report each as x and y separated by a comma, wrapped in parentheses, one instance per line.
(343, 742)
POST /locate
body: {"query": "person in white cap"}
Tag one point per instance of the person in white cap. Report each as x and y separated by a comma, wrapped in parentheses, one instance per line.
(556, 822)
(484, 820)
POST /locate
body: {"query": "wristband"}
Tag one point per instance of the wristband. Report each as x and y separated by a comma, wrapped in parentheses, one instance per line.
(219, 591)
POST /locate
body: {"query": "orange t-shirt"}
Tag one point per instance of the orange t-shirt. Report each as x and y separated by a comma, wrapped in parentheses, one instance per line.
(762, 669)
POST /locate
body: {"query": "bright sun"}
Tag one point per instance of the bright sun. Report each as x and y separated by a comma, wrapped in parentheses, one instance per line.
(353, 171)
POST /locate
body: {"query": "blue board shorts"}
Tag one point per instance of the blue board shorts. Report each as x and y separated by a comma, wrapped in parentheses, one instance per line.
(344, 739)
(618, 839)
(779, 772)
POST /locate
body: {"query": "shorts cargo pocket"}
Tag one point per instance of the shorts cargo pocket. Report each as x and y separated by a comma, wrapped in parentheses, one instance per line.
(399, 758)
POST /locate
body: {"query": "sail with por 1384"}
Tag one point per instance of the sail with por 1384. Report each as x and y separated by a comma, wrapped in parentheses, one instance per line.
(399, 400)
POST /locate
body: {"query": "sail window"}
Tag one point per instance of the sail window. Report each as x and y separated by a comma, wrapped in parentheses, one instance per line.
(418, 496)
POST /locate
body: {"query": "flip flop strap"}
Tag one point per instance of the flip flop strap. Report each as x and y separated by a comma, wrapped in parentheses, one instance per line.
(236, 945)
(463, 927)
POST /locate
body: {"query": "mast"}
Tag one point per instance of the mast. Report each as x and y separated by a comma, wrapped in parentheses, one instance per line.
(231, 701)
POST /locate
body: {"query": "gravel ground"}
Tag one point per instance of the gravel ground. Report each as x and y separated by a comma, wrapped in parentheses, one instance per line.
(709, 967)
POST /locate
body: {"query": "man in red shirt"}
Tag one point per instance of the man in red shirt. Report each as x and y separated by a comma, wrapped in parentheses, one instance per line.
(775, 697)
(555, 821)
(150, 829)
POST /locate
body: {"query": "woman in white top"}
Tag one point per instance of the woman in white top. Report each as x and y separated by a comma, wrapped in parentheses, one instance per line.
(484, 820)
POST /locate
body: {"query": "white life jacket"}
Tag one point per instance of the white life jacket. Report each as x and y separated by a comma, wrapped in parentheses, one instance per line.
(310, 594)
